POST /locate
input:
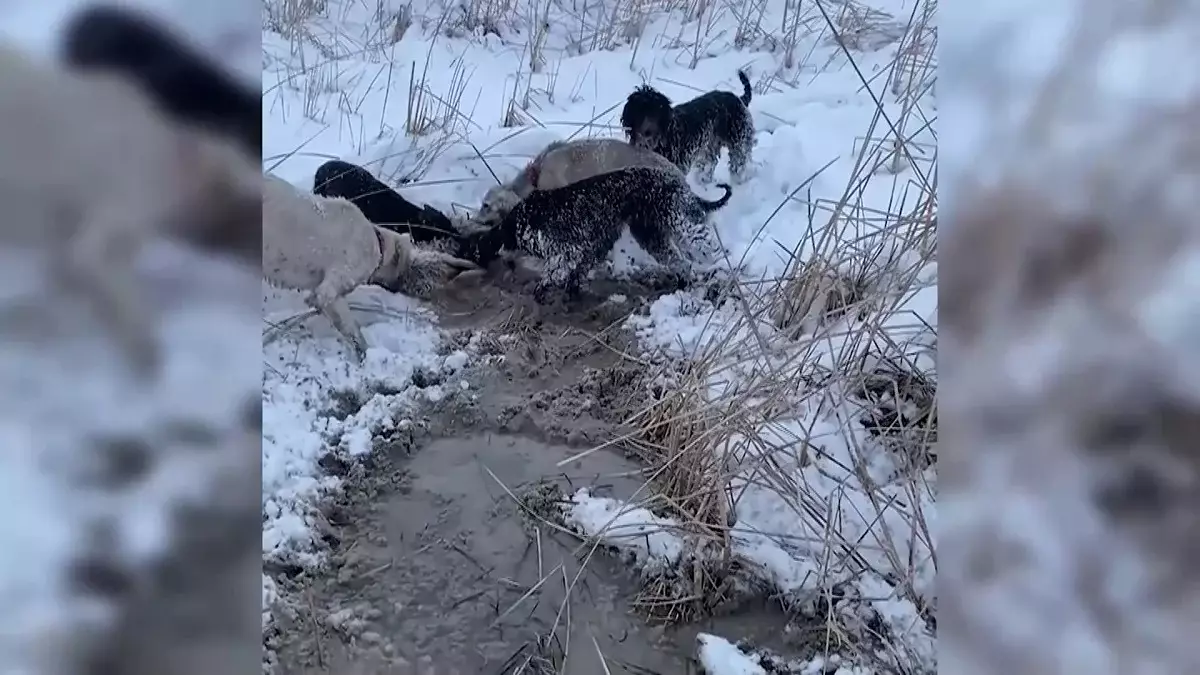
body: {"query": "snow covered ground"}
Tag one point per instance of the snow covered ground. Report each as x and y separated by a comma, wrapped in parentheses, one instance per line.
(345, 82)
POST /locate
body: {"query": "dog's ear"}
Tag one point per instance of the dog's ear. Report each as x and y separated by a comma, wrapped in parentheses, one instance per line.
(629, 113)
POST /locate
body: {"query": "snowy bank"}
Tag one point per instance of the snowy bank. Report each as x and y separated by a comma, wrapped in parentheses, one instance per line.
(317, 401)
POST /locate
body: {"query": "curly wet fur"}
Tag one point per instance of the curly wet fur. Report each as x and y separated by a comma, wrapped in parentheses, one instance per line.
(326, 246)
(381, 204)
(692, 134)
(176, 76)
(562, 163)
(574, 228)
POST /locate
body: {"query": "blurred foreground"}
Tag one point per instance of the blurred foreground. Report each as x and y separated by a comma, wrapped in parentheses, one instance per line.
(131, 531)
(1070, 306)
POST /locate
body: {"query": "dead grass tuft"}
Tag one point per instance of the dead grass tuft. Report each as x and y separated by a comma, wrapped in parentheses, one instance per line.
(675, 437)
(901, 410)
(817, 295)
(697, 588)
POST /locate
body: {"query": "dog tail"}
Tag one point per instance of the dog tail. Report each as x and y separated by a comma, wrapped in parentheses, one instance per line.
(710, 206)
(747, 91)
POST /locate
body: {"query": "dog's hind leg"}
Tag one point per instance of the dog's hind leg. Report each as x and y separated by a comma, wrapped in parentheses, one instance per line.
(658, 244)
(738, 163)
(741, 153)
(706, 161)
(329, 298)
(563, 274)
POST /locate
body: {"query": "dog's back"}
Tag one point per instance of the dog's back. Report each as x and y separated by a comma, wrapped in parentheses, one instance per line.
(577, 160)
(184, 83)
(378, 202)
(381, 204)
(599, 207)
(305, 235)
(565, 162)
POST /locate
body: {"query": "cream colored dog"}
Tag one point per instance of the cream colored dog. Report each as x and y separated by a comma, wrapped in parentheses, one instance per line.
(328, 247)
(90, 171)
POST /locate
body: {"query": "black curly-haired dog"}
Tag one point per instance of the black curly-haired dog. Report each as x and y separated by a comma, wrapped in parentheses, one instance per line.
(381, 204)
(693, 133)
(574, 228)
(183, 82)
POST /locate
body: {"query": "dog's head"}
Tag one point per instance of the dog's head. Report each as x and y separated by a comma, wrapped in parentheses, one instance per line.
(646, 117)
(409, 268)
(497, 203)
(482, 245)
(329, 175)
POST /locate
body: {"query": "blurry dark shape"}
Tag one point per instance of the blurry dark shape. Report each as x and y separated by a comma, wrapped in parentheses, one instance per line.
(95, 576)
(381, 204)
(194, 610)
(189, 433)
(123, 460)
(186, 84)
(251, 416)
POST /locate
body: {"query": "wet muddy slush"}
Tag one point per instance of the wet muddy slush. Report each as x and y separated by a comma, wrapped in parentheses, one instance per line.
(434, 567)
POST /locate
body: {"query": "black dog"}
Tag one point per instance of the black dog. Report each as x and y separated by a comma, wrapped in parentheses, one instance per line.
(573, 228)
(183, 82)
(693, 133)
(381, 204)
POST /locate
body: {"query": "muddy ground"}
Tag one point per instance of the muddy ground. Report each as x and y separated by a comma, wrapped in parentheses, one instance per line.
(433, 561)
